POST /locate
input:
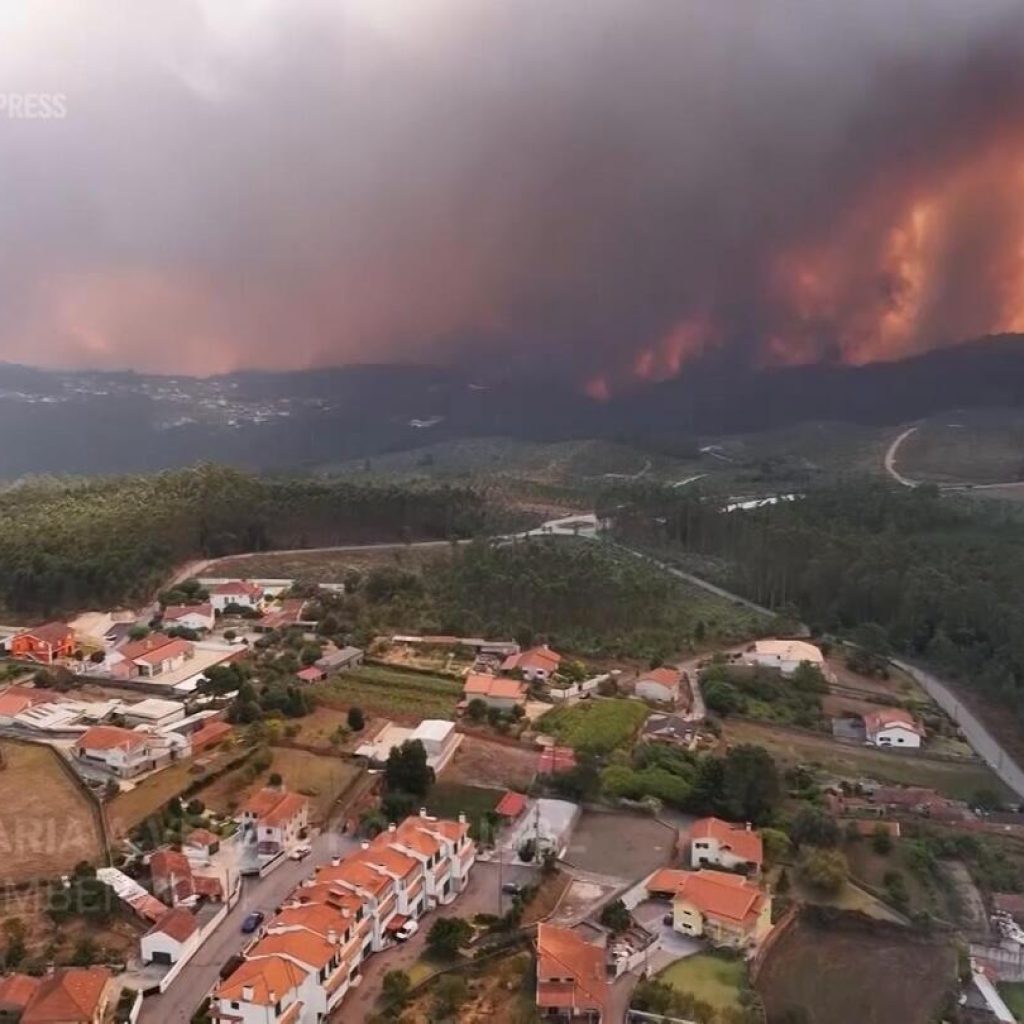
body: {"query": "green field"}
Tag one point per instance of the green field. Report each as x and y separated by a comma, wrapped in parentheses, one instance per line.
(596, 726)
(1013, 996)
(711, 979)
(387, 691)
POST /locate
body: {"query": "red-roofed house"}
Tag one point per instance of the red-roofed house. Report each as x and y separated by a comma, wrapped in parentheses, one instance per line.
(16, 699)
(209, 735)
(243, 593)
(659, 684)
(726, 909)
(538, 663)
(262, 991)
(125, 752)
(46, 644)
(572, 980)
(174, 937)
(72, 995)
(15, 992)
(277, 817)
(892, 727)
(494, 691)
(199, 617)
(511, 806)
(311, 674)
(718, 843)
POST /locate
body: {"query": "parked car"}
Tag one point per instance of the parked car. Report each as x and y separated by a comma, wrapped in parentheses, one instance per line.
(301, 852)
(252, 921)
(512, 888)
(408, 930)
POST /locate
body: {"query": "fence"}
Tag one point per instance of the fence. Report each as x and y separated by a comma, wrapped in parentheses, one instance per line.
(578, 689)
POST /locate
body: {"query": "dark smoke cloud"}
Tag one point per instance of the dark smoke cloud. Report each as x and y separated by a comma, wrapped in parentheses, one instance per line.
(597, 188)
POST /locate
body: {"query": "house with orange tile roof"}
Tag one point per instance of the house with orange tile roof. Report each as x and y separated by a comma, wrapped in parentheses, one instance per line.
(718, 843)
(243, 593)
(495, 691)
(893, 727)
(724, 908)
(15, 992)
(572, 979)
(262, 991)
(124, 752)
(274, 820)
(46, 644)
(16, 699)
(536, 664)
(659, 684)
(176, 936)
(72, 995)
(199, 617)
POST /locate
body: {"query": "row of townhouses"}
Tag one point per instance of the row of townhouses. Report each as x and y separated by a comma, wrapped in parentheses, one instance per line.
(309, 954)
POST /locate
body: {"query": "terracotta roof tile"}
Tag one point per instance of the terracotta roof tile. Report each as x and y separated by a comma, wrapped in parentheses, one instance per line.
(741, 841)
(111, 737)
(178, 923)
(70, 995)
(268, 975)
(570, 971)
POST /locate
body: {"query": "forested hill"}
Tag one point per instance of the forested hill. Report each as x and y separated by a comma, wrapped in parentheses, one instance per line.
(65, 545)
(942, 577)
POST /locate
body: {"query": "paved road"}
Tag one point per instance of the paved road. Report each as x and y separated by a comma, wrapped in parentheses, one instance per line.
(984, 744)
(185, 993)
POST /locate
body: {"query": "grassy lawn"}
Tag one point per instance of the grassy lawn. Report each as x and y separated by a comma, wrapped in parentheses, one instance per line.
(393, 693)
(954, 779)
(450, 799)
(320, 778)
(713, 980)
(595, 726)
(1013, 996)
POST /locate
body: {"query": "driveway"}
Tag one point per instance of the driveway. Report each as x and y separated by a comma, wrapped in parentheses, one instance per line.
(188, 989)
(482, 896)
(670, 945)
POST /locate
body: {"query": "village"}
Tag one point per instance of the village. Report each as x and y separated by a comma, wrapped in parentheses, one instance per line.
(220, 809)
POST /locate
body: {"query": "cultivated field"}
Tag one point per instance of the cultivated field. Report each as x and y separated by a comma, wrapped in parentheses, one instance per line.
(856, 973)
(47, 824)
(392, 693)
(595, 726)
(318, 727)
(483, 763)
(954, 779)
(321, 778)
(450, 799)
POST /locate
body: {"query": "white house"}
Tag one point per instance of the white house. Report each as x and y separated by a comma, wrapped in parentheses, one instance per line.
(537, 664)
(785, 655)
(277, 818)
(265, 991)
(439, 740)
(244, 593)
(718, 843)
(174, 937)
(124, 752)
(659, 684)
(154, 712)
(199, 617)
(892, 727)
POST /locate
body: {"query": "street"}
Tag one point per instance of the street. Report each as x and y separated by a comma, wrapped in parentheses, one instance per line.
(184, 994)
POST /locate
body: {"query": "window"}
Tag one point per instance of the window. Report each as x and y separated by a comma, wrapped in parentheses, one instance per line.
(234, 1006)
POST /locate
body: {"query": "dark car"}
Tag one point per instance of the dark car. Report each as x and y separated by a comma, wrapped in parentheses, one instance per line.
(252, 921)
(512, 888)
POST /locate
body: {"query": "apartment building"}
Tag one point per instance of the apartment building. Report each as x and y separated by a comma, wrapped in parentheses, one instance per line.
(308, 955)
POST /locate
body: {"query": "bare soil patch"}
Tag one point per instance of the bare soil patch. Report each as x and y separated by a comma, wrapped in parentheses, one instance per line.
(483, 763)
(856, 972)
(47, 823)
(627, 846)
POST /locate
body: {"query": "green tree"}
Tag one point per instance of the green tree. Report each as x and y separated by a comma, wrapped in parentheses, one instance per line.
(881, 840)
(811, 826)
(407, 770)
(750, 785)
(394, 991)
(824, 870)
(356, 719)
(446, 936)
(615, 917)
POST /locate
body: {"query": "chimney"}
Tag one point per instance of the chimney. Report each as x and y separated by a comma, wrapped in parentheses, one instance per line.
(335, 861)
(248, 993)
(272, 996)
(332, 937)
(364, 846)
(748, 826)
(423, 812)
(462, 817)
(392, 827)
(346, 912)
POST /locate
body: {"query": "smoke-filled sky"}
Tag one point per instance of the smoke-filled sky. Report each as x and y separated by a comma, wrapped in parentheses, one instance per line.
(598, 189)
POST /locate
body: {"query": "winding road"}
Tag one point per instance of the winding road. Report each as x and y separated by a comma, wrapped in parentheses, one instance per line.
(890, 458)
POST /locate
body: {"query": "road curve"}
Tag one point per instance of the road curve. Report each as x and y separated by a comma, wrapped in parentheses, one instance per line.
(890, 459)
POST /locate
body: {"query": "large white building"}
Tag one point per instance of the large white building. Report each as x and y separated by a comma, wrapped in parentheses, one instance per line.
(785, 655)
(893, 727)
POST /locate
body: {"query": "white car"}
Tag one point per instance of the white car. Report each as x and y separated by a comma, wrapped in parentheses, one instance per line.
(408, 930)
(301, 852)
